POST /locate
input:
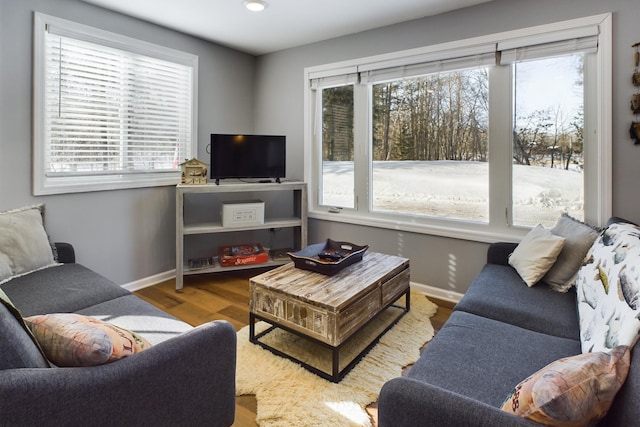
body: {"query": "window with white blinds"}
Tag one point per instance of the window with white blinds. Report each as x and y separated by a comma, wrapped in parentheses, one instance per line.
(110, 111)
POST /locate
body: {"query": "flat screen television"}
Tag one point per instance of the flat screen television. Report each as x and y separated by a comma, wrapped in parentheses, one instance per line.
(247, 156)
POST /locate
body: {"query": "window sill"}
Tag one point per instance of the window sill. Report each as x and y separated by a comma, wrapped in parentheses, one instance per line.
(461, 230)
(90, 184)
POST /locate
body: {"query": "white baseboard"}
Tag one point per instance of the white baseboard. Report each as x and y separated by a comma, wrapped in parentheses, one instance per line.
(429, 291)
(439, 293)
(150, 281)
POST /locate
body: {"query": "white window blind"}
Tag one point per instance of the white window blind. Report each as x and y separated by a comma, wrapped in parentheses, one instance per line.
(575, 40)
(406, 66)
(333, 77)
(428, 63)
(561, 42)
(112, 109)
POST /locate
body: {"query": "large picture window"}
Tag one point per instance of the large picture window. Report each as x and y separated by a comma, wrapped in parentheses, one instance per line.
(110, 112)
(429, 145)
(477, 139)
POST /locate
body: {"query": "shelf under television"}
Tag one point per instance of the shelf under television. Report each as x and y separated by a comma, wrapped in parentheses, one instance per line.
(216, 227)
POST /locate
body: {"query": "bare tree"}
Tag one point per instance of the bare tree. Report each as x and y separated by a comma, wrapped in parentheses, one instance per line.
(337, 123)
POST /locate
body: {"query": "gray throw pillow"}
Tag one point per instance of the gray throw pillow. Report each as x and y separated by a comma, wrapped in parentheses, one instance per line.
(579, 239)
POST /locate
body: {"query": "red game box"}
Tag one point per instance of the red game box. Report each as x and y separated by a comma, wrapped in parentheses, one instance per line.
(252, 253)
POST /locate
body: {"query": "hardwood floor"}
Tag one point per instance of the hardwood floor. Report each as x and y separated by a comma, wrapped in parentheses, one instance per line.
(225, 296)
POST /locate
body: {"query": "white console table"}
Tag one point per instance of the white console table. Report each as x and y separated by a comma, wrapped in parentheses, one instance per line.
(297, 221)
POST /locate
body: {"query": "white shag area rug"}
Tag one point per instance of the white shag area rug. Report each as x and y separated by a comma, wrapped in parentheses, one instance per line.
(289, 395)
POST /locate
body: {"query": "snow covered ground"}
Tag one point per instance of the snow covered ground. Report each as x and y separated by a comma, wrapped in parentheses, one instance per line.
(459, 190)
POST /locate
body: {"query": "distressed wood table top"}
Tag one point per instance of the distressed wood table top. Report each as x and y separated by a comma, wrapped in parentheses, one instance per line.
(332, 293)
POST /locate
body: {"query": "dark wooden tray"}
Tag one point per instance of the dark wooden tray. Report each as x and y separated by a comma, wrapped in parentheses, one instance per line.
(312, 257)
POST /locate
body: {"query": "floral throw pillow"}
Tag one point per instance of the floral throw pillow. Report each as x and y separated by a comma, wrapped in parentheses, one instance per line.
(608, 290)
(573, 391)
(74, 340)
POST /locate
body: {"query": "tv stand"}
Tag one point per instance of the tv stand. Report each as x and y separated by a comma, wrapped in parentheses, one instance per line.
(209, 227)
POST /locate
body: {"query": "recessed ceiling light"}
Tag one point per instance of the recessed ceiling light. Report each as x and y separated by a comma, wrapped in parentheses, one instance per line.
(255, 5)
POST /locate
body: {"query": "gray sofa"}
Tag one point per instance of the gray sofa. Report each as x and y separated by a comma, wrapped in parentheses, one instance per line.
(186, 378)
(500, 333)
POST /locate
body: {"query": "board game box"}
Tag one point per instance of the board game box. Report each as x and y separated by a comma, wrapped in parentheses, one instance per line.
(252, 253)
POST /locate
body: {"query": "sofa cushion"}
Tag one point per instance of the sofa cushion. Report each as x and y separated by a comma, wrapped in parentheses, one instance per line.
(575, 391)
(535, 254)
(65, 288)
(498, 293)
(608, 290)
(18, 347)
(24, 244)
(73, 340)
(132, 313)
(579, 238)
(483, 359)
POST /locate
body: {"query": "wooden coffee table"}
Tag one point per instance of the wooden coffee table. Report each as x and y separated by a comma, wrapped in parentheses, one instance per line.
(329, 310)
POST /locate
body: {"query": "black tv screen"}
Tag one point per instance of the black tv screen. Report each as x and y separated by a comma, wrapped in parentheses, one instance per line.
(247, 156)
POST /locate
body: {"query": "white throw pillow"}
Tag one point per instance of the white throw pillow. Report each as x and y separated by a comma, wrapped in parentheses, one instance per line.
(535, 254)
(24, 244)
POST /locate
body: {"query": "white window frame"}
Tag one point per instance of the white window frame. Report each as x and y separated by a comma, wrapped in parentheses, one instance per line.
(44, 184)
(598, 136)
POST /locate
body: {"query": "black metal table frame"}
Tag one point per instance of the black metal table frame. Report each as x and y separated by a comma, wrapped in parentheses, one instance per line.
(336, 376)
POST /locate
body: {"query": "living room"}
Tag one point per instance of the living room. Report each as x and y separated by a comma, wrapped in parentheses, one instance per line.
(128, 235)
(136, 228)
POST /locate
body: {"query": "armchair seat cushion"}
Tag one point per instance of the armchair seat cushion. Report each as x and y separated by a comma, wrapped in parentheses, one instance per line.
(64, 288)
(483, 359)
(130, 312)
(499, 294)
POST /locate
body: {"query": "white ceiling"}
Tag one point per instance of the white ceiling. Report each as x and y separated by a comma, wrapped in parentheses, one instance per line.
(283, 24)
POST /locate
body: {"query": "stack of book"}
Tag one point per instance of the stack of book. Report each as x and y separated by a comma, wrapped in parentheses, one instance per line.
(206, 262)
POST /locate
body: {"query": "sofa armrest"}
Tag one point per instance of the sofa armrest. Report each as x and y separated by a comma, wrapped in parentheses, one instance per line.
(407, 402)
(498, 253)
(66, 253)
(187, 380)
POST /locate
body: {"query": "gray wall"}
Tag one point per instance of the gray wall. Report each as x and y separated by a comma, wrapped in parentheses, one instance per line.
(127, 235)
(449, 264)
